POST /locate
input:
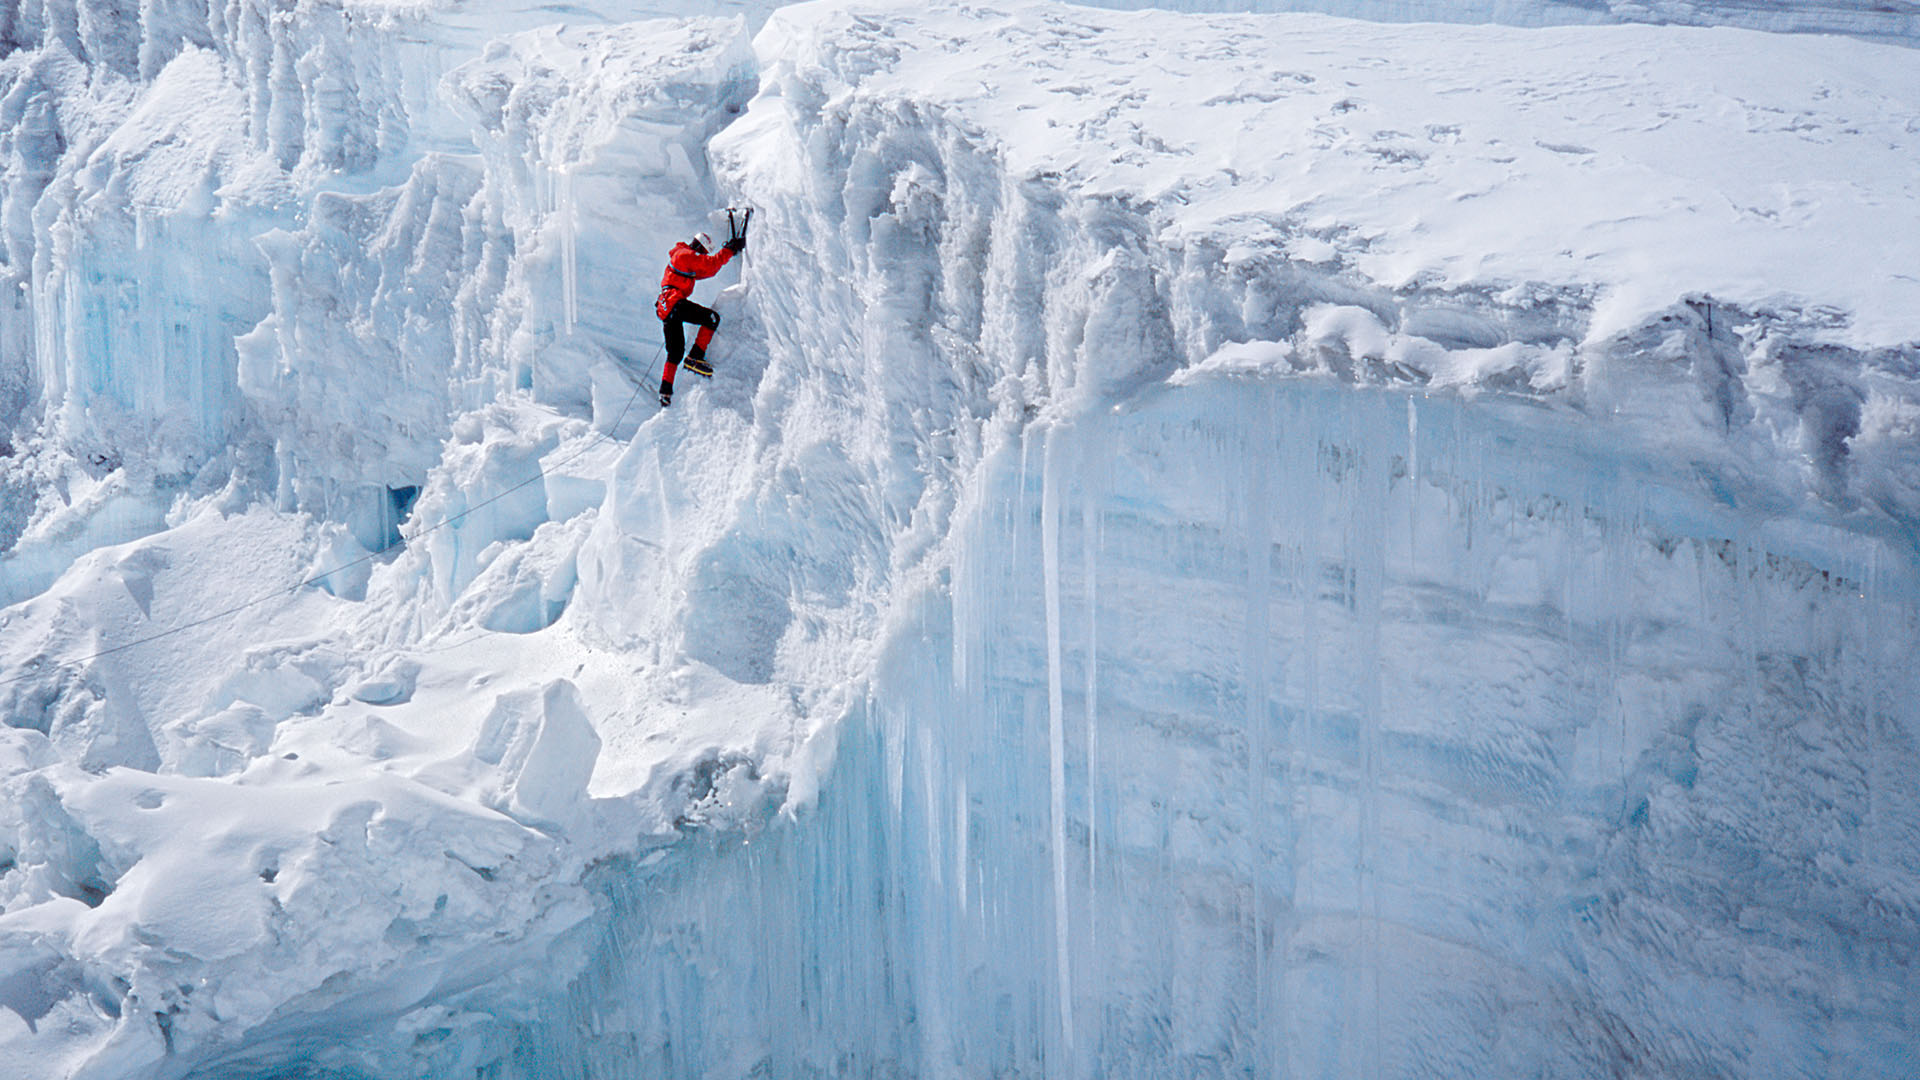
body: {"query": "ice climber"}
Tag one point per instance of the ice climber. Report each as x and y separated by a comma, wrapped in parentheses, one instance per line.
(688, 262)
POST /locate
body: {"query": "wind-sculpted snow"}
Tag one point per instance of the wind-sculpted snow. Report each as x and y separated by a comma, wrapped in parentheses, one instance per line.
(1234, 544)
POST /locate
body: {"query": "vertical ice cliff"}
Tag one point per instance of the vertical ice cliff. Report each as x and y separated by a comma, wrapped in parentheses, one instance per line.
(474, 281)
(1294, 732)
(1217, 545)
(1458, 666)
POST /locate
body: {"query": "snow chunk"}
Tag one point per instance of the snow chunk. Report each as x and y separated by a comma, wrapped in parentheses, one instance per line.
(1240, 358)
(541, 748)
(1885, 451)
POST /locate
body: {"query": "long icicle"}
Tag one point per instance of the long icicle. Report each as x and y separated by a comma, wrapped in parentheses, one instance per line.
(1056, 727)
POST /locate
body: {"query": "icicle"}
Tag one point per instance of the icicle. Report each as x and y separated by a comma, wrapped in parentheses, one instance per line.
(46, 332)
(1257, 500)
(1367, 554)
(1056, 724)
(1413, 483)
(961, 875)
(965, 596)
(143, 315)
(1089, 555)
(569, 247)
(1307, 588)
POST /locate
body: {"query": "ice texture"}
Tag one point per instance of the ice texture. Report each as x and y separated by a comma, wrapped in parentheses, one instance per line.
(1257, 544)
(1299, 732)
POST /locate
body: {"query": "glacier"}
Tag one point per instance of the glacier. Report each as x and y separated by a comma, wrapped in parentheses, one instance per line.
(1352, 539)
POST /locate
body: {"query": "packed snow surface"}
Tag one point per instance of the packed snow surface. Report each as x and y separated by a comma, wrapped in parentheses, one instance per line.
(1229, 543)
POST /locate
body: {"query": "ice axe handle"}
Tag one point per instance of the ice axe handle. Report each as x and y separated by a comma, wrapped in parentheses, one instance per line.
(737, 227)
(737, 222)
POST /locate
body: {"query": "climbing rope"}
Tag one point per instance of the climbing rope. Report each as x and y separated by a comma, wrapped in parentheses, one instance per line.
(541, 474)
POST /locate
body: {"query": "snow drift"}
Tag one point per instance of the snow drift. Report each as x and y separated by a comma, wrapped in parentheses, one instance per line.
(1217, 544)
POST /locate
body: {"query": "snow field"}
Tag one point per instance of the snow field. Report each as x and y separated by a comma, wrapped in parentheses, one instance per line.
(1896, 22)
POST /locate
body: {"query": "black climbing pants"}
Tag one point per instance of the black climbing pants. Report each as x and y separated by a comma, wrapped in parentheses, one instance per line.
(687, 312)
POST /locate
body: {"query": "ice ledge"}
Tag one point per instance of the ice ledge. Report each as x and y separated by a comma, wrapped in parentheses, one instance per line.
(1643, 164)
(1643, 224)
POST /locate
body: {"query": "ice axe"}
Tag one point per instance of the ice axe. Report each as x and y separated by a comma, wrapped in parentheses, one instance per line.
(737, 222)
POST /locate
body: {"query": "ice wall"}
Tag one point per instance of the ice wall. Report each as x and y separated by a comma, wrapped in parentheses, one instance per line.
(183, 127)
(172, 177)
(511, 268)
(145, 151)
(432, 342)
(1305, 731)
(148, 152)
(1420, 681)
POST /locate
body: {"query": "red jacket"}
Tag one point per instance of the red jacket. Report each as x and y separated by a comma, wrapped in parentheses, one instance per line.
(684, 267)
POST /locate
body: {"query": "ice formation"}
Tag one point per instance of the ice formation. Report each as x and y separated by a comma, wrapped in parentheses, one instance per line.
(1219, 543)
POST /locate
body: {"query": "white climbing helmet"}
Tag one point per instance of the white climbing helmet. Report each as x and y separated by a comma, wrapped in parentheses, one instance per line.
(702, 242)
